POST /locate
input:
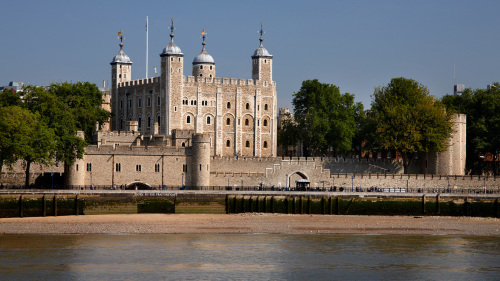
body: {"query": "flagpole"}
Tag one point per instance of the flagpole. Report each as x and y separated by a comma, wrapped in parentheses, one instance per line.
(147, 39)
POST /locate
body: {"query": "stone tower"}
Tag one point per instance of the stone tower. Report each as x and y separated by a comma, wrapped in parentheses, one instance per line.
(121, 71)
(262, 63)
(172, 61)
(200, 160)
(452, 161)
(262, 73)
(75, 174)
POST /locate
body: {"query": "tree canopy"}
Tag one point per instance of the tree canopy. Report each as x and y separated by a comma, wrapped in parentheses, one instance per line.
(324, 119)
(407, 119)
(482, 107)
(44, 123)
(84, 102)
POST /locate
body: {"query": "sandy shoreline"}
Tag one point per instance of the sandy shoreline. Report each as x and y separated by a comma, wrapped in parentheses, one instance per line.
(250, 223)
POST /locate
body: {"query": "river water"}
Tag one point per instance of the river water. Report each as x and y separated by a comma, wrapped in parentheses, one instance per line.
(248, 257)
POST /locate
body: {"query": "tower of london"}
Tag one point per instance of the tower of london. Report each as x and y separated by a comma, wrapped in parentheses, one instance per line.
(238, 115)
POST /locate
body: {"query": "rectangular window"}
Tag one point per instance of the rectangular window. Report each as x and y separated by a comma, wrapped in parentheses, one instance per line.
(77, 167)
(149, 102)
(138, 168)
(139, 103)
(157, 168)
(89, 167)
(118, 167)
(184, 168)
(159, 100)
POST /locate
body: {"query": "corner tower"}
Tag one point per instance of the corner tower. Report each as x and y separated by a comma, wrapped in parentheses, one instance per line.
(172, 61)
(121, 71)
(262, 62)
(203, 63)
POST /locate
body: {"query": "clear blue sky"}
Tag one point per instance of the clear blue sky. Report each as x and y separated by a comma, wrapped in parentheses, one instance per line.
(356, 45)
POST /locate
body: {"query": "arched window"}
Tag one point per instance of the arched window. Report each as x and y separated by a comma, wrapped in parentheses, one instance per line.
(158, 120)
(149, 122)
(246, 122)
(228, 121)
(201, 66)
(247, 144)
(247, 106)
(208, 120)
(188, 119)
(228, 143)
(139, 122)
(265, 144)
(228, 105)
(265, 122)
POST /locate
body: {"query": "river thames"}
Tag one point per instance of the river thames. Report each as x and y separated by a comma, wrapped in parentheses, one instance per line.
(248, 257)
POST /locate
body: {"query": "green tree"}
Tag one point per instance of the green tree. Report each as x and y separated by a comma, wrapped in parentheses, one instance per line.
(23, 135)
(325, 118)
(409, 120)
(482, 107)
(9, 98)
(287, 133)
(84, 101)
(57, 116)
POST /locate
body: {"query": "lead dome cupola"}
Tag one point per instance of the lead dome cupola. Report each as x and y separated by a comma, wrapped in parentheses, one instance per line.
(261, 51)
(121, 57)
(203, 57)
(171, 48)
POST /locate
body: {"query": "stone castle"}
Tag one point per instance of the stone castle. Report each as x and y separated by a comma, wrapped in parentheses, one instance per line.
(238, 115)
(202, 131)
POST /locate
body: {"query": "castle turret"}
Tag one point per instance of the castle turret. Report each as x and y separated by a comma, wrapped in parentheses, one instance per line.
(172, 61)
(262, 62)
(200, 160)
(203, 63)
(452, 161)
(121, 71)
(74, 175)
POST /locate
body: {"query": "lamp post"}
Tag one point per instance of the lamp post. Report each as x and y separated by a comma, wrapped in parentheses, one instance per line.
(484, 184)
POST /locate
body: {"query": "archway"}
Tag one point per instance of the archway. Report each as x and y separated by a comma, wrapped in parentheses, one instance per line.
(297, 175)
(140, 186)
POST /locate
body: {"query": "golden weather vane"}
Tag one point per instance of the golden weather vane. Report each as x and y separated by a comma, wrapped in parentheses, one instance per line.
(120, 35)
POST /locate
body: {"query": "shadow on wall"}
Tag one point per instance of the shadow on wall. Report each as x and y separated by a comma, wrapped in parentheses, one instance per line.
(371, 166)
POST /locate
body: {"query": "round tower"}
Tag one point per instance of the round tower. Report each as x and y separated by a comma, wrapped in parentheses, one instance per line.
(74, 175)
(203, 63)
(200, 160)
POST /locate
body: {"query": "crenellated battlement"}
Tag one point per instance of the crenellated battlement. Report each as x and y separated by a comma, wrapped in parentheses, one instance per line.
(138, 150)
(192, 80)
(138, 82)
